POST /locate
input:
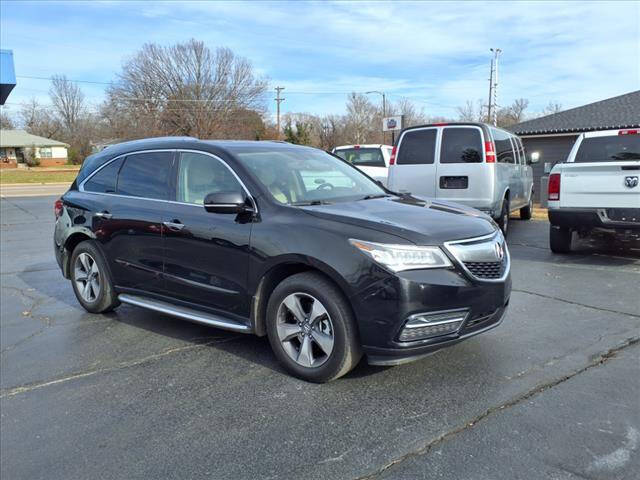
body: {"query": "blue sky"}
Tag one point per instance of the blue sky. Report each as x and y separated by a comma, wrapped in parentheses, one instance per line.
(435, 54)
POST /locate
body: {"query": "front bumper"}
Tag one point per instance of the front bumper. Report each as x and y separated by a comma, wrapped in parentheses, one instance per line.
(606, 218)
(383, 309)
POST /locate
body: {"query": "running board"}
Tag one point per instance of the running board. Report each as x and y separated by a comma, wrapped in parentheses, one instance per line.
(184, 313)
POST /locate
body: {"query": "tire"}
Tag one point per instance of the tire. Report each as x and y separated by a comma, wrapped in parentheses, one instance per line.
(87, 261)
(297, 345)
(560, 239)
(503, 220)
(526, 212)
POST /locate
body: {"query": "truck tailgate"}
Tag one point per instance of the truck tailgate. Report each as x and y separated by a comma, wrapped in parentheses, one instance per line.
(600, 185)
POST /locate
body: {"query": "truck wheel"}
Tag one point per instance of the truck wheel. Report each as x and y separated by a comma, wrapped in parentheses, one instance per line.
(525, 212)
(560, 239)
(503, 221)
(311, 328)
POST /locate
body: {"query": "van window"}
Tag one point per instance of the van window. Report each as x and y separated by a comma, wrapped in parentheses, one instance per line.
(461, 145)
(146, 175)
(417, 147)
(504, 150)
(609, 149)
(523, 158)
(362, 157)
(104, 181)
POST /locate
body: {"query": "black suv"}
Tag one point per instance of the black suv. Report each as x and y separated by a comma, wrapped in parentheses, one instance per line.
(280, 240)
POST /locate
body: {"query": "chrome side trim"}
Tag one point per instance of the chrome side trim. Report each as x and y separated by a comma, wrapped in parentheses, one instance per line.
(493, 237)
(185, 313)
(175, 150)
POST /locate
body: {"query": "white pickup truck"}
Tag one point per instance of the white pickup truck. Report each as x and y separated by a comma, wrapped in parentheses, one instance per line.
(596, 188)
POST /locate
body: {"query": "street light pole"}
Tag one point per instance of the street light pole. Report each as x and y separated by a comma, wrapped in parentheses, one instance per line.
(384, 107)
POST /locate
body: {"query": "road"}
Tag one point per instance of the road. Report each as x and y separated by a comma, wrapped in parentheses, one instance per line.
(33, 190)
(552, 393)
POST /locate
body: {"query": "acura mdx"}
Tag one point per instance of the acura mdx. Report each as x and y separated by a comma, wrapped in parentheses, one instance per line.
(284, 241)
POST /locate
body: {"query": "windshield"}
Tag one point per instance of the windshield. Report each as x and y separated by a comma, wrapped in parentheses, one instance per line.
(300, 176)
(609, 149)
(362, 157)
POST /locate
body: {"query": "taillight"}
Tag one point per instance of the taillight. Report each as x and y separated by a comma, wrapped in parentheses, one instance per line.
(489, 152)
(554, 186)
(57, 208)
(392, 160)
(628, 132)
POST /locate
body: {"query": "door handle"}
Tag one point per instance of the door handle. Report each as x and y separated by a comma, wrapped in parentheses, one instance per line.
(175, 225)
(106, 215)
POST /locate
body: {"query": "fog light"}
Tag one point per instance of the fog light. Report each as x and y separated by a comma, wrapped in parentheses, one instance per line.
(427, 325)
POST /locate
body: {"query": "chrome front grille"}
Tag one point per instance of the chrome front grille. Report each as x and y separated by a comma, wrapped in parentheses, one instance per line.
(484, 258)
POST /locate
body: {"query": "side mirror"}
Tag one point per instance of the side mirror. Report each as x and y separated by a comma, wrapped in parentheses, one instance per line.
(534, 157)
(226, 202)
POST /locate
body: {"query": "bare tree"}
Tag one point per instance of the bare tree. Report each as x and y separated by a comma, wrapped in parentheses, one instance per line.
(5, 121)
(184, 89)
(360, 119)
(68, 101)
(551, 108)
(469, 113)
(38, 120)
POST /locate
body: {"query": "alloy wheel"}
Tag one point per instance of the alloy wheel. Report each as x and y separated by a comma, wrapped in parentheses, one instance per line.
(87, 277)
(305, 330)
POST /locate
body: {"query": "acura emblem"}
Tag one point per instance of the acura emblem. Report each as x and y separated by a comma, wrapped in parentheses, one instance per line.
(499, 249)
(631, 182)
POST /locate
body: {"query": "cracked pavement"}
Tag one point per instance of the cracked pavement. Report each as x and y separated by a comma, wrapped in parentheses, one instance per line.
(552, 393)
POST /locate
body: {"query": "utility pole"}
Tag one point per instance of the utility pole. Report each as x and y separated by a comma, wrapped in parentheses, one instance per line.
(278, 100)
(493, 88)
(384, 107)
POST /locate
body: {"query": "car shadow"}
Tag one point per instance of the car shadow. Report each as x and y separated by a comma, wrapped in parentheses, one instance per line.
(251, 348)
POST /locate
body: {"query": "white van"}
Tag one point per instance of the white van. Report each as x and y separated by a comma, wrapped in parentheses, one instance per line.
(372, 159)
(470, 163)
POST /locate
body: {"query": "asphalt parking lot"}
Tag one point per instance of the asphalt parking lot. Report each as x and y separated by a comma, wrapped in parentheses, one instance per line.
(553, 393)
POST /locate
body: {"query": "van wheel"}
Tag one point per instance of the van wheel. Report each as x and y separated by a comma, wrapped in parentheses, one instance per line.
(526, 212)
(503, 221)
(91, 280)
(560, 239)
(311, 328)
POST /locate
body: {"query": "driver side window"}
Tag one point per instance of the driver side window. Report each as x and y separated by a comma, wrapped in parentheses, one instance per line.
(199, 175)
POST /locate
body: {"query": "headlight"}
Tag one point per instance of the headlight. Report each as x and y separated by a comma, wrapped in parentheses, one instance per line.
(403, 257)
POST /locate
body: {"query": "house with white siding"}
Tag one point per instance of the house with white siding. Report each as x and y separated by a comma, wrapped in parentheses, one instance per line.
(14, 143)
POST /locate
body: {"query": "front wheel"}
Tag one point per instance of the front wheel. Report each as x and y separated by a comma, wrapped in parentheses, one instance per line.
(560, 239)
(311, 328)
(91, 280)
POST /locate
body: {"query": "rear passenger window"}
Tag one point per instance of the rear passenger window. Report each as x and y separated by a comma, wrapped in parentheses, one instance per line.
(461, 145)
(504, 150)
(104, 181)
(146, 175)
(417, 147)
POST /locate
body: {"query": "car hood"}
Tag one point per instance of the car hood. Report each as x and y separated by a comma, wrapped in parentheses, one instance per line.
(418, 220)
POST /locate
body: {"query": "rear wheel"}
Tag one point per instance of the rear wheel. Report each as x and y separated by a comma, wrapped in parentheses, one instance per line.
(311, 328)
(91, 280)
(560, 239)
(503, 220)
(526, 212)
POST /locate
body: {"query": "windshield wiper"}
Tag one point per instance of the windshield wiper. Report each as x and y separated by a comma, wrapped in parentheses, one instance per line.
(312, 202)
(379, 195)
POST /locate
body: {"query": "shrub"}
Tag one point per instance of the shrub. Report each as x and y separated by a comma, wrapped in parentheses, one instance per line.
(30, 156)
